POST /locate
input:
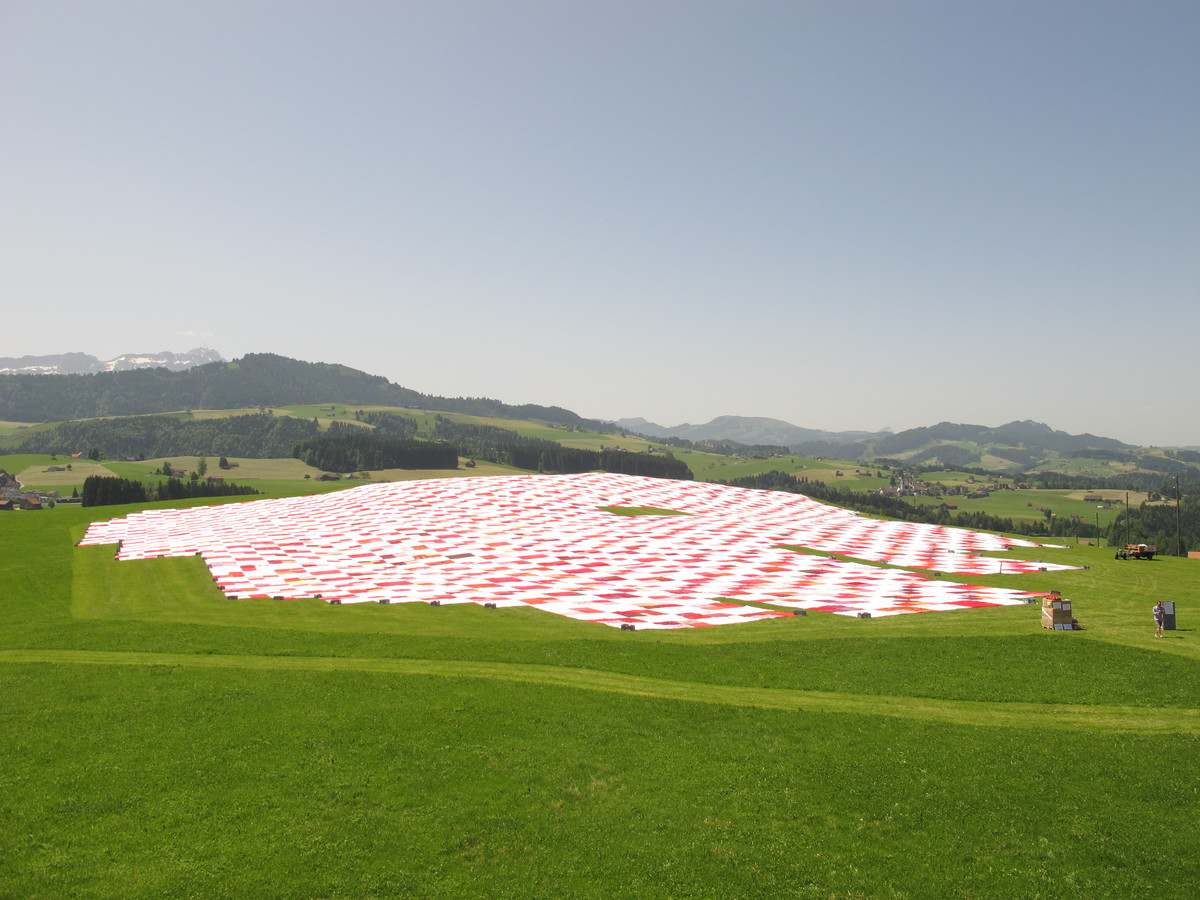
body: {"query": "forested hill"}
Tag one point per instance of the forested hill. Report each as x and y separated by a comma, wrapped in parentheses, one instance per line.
(1033, 435)
(255, 380)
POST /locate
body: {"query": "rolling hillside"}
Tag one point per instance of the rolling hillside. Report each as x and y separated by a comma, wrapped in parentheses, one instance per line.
(1016, 447)
(260, 382)
(255, 380)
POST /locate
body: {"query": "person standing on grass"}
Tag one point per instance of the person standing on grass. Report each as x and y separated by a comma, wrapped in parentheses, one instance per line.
(1159, 614)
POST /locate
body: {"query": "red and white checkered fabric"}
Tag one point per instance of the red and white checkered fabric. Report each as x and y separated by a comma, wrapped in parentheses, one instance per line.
(543, 541)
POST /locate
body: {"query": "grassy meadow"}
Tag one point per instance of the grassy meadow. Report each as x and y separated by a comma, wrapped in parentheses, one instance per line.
(1029, 505)
(161, 740)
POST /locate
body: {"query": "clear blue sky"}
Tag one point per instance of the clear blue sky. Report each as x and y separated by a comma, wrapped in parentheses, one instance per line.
(846, 215)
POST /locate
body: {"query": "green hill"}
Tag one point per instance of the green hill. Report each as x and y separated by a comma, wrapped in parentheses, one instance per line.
(255, 380)
(1025, 447)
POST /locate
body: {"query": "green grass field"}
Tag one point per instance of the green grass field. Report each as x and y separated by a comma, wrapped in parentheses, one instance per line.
(7, 427)
(1028, 505)
(161, 740)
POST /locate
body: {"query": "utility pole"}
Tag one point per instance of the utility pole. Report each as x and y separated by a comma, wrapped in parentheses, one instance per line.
(1178, 551)
(1127, 517)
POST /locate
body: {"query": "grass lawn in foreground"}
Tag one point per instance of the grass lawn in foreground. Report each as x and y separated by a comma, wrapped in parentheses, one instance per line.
(161, 740)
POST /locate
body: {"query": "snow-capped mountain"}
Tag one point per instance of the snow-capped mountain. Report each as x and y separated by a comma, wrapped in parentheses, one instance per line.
(86, 364)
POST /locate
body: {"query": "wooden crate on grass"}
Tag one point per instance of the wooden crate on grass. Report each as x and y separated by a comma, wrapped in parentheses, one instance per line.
(1057, 614)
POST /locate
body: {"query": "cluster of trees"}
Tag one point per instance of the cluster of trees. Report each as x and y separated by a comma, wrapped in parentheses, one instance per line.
(258, 435)
(503, 445)
(357, 449)
(1129, 481)
(562, 460)
(1159, 525)
(392, 445)
(391, 425)
(499, 445)
(1191, 456)
(108, 490)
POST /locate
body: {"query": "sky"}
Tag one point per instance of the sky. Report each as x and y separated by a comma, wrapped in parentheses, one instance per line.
(846, 215)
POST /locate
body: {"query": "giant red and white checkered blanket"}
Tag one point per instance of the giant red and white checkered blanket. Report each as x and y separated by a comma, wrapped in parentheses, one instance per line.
(544, 541)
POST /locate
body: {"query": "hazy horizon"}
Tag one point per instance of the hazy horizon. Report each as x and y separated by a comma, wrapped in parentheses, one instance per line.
(619, 419)
(842, 216)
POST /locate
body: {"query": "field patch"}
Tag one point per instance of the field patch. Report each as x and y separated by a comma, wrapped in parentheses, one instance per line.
(550, 542)
(42, 476)
(1089, 717)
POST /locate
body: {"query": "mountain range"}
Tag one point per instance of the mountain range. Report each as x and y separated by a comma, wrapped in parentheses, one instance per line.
(86, 364)
(748, 430)
(1015, 446)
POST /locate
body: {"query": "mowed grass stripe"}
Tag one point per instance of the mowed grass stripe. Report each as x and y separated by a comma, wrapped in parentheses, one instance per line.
(959, 712)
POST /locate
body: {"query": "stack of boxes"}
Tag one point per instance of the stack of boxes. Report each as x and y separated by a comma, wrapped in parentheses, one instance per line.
(1056, 613)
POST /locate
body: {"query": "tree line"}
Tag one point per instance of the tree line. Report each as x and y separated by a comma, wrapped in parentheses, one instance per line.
(392, 425)
(508, 447)
(109, 490)
(1061, 481)
(257, 435)
(348, 448)
(393, 442)
(1159, 525)
(364, 451)
(557, 459)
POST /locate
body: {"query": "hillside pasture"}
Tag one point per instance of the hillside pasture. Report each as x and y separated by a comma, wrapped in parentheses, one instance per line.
(1099, 468)
(38, 477)
(1023, 505)
(203, 414)
(7, 428)
(31, 470)
(954, 478)
(426, 419)
(16, 432)
(717, 467)
(272, 477)
(324, 414)
(242, 468)
(568, 437)
(340, 411)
